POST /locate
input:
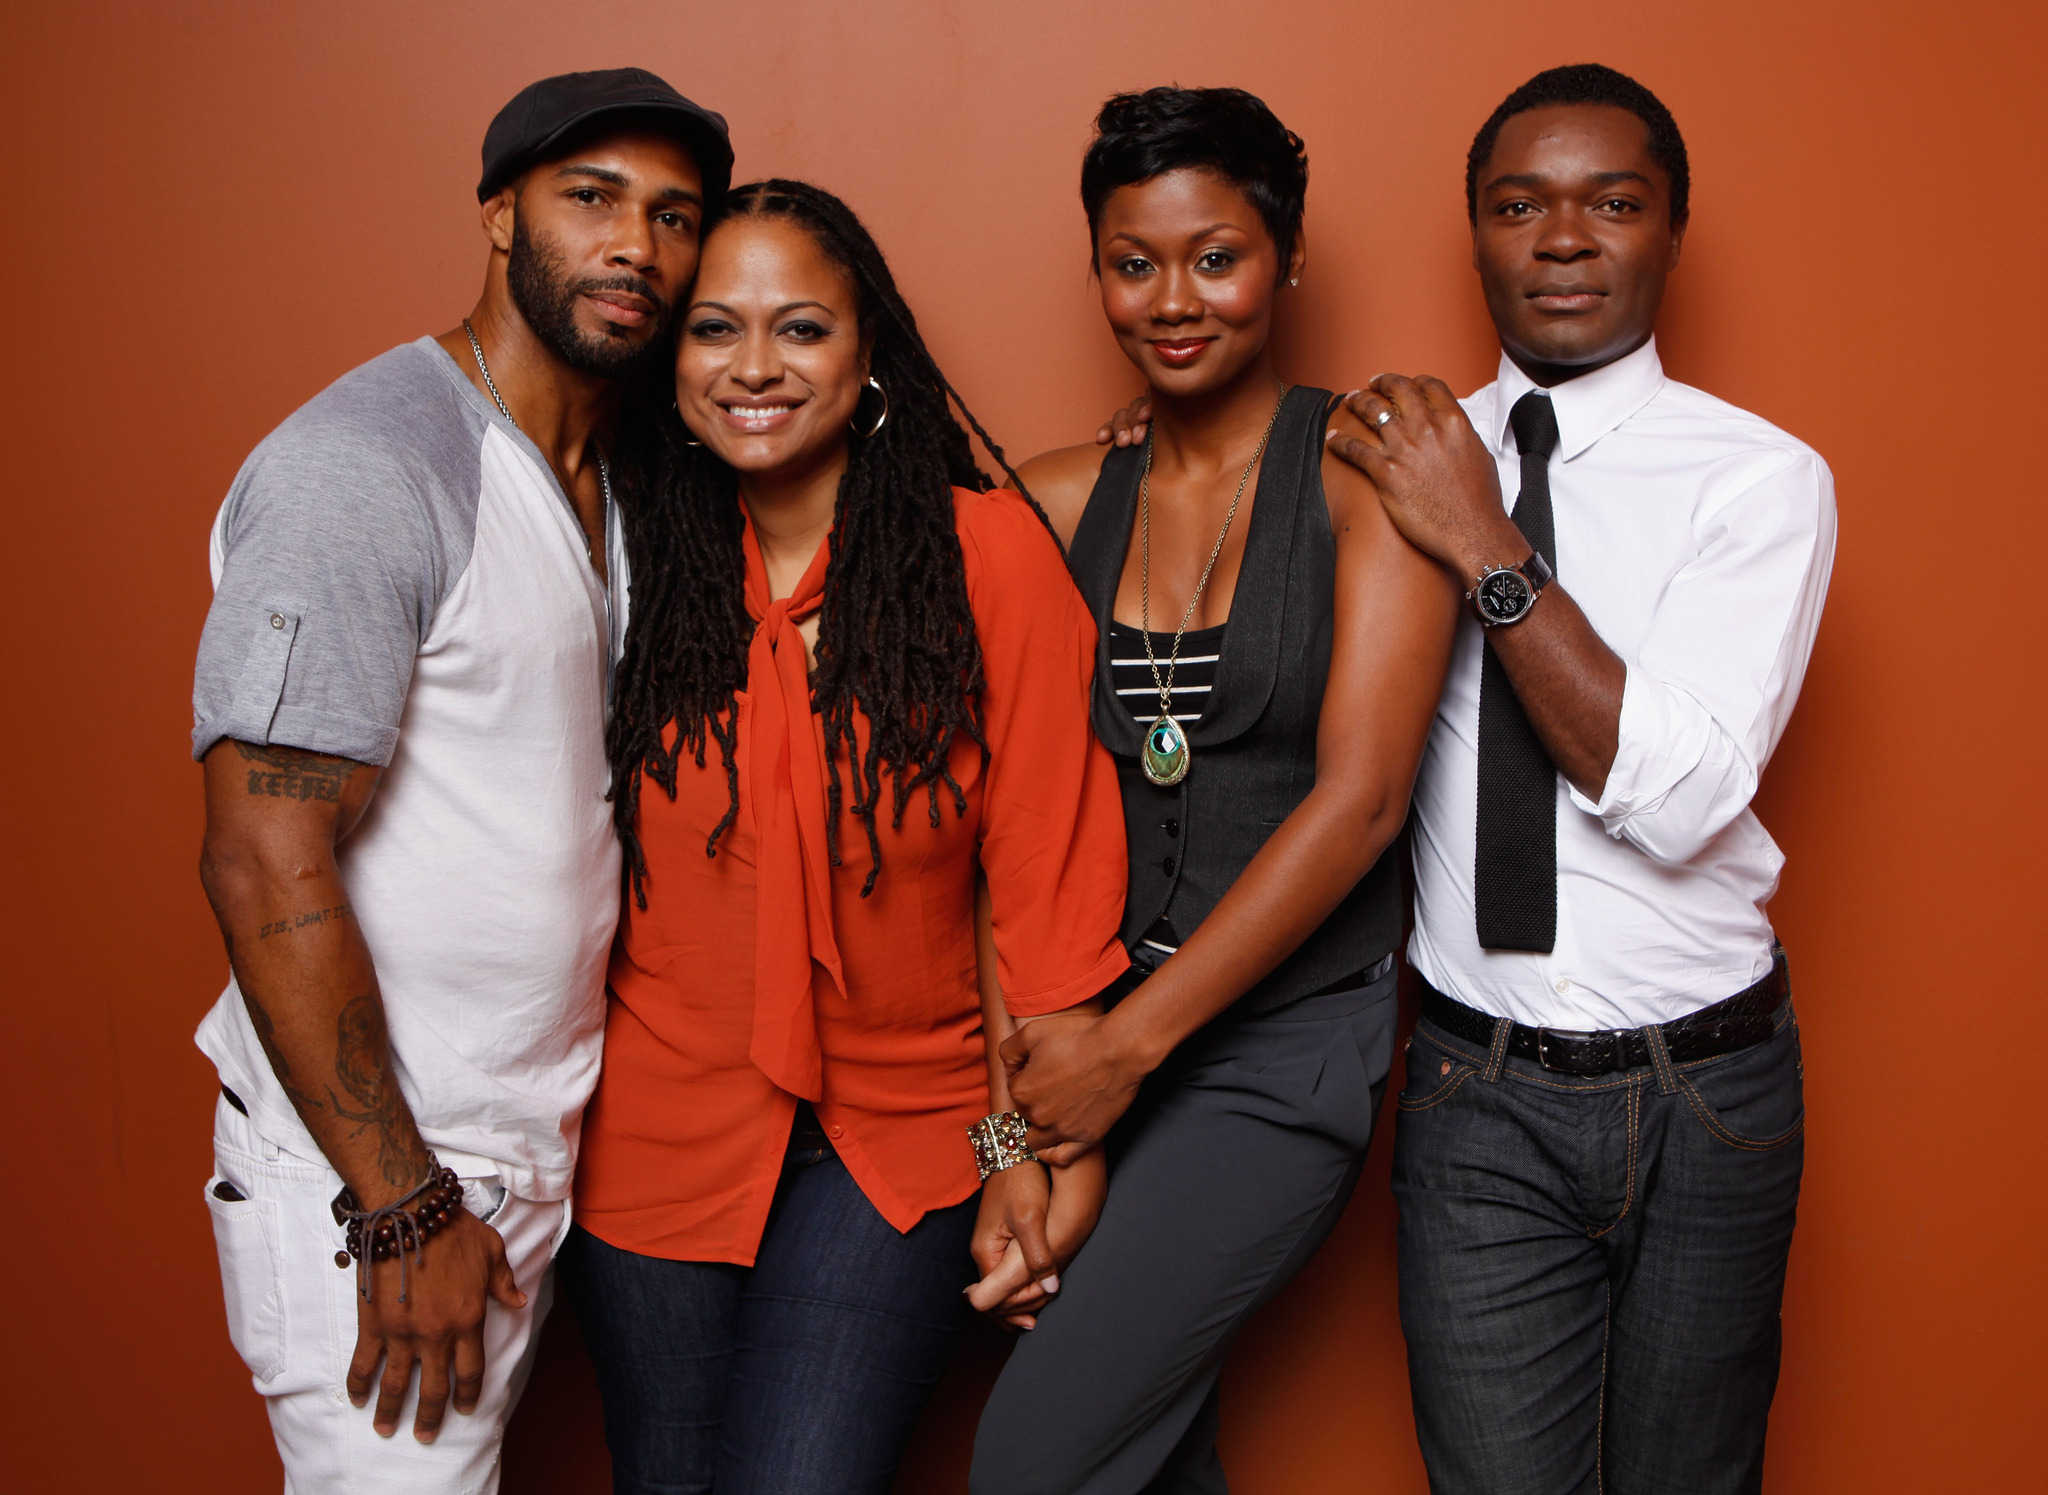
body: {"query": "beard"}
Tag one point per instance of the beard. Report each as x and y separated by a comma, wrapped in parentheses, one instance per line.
(539, 281)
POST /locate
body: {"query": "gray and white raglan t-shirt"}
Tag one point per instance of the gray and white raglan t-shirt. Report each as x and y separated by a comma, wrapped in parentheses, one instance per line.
(399, 579)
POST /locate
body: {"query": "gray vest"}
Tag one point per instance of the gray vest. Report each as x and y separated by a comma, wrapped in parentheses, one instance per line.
(1255, 744)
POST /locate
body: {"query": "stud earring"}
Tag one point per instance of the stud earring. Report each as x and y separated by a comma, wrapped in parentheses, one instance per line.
(1294, 280)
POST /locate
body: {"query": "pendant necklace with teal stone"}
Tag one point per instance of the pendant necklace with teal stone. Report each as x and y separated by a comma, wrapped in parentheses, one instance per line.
(1166, 754)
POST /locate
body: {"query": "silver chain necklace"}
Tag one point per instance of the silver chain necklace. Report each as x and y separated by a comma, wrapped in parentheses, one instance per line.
(1167, 755)
(604, 471)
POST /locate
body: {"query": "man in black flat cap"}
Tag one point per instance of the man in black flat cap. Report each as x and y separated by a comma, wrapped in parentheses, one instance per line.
(400, 706)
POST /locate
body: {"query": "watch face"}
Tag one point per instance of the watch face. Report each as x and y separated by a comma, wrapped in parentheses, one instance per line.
(1503, 596)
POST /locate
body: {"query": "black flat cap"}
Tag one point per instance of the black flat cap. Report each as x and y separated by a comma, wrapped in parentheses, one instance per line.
(544, 113)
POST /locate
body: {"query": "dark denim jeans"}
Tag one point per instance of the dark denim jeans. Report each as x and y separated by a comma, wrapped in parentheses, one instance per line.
(801, 1375)
(1591, 1268)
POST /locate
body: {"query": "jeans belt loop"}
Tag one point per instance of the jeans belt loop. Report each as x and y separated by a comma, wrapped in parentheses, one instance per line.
(1660, 1059)
(1497, 1055)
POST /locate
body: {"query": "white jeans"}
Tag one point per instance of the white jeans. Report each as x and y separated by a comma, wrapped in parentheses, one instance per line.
(292, 1317)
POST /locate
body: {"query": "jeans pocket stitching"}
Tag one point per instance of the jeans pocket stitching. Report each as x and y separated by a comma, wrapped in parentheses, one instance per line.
(1460, 1073)
(1719, 1128)
(1635, 1132)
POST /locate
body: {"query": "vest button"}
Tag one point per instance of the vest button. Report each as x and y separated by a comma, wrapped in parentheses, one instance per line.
(1171, 827)
(1167, 866)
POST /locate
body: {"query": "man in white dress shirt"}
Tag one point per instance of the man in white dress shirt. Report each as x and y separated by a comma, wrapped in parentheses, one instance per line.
(1599, 1147)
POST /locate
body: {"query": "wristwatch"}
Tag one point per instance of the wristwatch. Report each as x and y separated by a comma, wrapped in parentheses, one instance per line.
(1504, 594)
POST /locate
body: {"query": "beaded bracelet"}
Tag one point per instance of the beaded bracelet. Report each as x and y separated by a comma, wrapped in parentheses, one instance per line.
(999, 1143)
(394, 1230)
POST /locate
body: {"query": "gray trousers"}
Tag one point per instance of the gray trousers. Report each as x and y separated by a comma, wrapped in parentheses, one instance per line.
(1230, 1170)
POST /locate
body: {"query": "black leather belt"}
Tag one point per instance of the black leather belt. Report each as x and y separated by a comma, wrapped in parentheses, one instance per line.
(1748, 1017)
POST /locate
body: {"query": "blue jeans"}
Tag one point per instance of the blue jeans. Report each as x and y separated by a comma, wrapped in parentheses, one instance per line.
(1591, 1268)
(801, 1375)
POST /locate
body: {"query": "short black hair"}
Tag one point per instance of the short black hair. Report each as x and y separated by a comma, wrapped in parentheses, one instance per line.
(1139, 136)
(1588, 83)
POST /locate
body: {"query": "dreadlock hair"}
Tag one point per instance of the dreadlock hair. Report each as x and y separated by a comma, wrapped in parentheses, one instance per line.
(896, 639)
(1588, 83)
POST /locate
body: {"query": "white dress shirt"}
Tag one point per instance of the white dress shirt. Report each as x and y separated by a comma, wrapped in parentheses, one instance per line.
(1698, 539)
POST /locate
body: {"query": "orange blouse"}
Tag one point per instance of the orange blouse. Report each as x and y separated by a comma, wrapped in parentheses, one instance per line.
(761, 975)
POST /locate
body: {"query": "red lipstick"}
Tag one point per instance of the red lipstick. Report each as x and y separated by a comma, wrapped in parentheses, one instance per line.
(1178, 353)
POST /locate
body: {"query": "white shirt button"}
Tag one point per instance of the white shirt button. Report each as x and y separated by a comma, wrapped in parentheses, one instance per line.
(1563, 985)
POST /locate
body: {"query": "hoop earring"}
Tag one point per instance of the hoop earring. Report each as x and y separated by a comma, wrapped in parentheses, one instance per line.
(677, 406)
(880, 420)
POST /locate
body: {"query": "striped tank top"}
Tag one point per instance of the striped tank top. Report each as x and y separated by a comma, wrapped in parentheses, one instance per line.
(1193, 678)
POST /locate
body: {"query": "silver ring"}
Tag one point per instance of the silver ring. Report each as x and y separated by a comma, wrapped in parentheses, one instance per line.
(1383, 417)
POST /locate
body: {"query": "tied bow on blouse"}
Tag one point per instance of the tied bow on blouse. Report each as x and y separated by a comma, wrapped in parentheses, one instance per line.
(793, 889)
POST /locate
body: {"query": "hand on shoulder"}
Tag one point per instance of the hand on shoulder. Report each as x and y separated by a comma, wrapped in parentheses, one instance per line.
(1354, 503)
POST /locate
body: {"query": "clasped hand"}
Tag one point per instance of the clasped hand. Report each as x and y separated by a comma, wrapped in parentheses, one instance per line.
(1033, 1221)
(1071, 1087)
(440, 1326)
(1071, 1081)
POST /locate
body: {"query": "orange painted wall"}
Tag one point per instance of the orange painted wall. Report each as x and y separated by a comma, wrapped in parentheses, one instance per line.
(214, 209)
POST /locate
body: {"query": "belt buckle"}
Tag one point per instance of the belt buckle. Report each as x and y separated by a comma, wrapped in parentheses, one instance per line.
(1543, 1050)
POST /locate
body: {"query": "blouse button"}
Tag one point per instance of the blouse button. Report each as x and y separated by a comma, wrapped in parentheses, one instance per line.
(834, 1132)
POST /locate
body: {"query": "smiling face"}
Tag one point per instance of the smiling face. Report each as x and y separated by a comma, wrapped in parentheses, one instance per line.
(601, 243)
(1189, 272)
(1573, 238)
(771, 362)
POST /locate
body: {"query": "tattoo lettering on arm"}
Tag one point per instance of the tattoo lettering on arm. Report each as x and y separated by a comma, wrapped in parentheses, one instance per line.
(301, 920)
(289, 773)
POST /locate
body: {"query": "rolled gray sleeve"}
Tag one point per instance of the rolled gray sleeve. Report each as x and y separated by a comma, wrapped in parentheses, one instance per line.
(327, 568)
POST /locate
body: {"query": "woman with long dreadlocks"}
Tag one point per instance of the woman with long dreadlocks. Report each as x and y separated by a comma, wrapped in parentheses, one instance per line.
(869, 833)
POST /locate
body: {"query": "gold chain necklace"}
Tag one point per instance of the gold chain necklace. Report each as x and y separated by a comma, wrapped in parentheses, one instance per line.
(604, 469)
(1167, 756)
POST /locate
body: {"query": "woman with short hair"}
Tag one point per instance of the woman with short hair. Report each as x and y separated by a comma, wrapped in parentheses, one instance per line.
(1271, 656)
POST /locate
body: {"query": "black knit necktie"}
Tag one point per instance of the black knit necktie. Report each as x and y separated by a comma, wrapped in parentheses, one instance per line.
(1514, 874)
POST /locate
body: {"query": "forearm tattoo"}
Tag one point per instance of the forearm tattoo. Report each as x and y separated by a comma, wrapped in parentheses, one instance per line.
(303, 1101)
(362, 1054)
(369, 1097)
(289, 773)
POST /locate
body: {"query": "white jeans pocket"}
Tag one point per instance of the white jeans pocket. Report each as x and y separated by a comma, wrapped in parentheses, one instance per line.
(245, 1232)
(484, 1197)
